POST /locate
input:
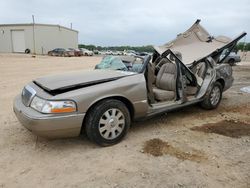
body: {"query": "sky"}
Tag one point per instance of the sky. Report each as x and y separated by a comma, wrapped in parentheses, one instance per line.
(134, 22)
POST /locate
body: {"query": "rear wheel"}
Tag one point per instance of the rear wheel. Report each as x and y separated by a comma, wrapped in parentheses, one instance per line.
(212, 100)
(107, 122)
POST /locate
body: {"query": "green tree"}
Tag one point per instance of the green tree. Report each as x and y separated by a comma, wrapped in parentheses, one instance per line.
(243, 46)
(148, 48)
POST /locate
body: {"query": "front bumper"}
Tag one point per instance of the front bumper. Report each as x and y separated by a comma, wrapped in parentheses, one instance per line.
(48, 125)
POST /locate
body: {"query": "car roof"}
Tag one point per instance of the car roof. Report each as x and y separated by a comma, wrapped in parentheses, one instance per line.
(194, 44)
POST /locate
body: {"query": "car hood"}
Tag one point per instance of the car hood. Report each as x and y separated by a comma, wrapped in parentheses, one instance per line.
(73, 80)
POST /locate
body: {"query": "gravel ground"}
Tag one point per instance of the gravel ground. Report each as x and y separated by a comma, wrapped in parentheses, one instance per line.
(166, 151)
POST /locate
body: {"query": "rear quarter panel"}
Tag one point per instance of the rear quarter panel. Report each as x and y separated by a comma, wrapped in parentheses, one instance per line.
(225, 72)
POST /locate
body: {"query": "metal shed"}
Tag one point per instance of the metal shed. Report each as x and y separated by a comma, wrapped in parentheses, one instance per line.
(38, 38)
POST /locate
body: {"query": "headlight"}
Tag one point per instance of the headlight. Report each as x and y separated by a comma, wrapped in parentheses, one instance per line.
(48, 107)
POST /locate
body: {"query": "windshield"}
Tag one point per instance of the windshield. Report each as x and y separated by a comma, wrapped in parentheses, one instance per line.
(124, 63)
(111, 62)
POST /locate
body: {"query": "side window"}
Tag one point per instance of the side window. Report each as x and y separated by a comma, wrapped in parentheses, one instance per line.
(224, 53)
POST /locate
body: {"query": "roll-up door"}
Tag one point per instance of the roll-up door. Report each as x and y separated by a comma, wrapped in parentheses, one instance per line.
(18, 40)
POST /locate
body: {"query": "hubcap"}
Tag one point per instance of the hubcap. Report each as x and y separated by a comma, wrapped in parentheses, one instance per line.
(215, 96)
(111, 124)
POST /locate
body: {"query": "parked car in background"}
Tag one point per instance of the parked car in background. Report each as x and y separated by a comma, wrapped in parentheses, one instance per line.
(70, 52)
(80, 52)
(114, 53)
(119, 52)
(102, 52)
(77, 52)
(109, 52)
(129, 52)
(231, 59)
(57, 52)
(142, 53)
(86, 52)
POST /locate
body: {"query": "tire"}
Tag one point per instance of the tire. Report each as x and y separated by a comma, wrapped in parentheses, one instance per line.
(107, 122)
(27, 51)
(231, 62)
(212, 100)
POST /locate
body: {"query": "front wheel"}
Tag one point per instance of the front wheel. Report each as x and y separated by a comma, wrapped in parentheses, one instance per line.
(212, 100)
(107, 122)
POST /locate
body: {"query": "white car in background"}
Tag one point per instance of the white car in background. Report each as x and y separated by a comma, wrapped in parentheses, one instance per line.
(129, 52)
(87, 52)
(109, 52)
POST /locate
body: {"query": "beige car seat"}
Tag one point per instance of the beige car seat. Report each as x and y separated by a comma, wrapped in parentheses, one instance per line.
(166, 82)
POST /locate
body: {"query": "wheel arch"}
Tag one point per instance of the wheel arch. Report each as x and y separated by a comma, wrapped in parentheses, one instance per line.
(222, 82)
(126, 101)
(231, 59)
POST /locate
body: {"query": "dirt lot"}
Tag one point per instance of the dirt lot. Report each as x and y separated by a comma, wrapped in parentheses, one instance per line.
(166, 151)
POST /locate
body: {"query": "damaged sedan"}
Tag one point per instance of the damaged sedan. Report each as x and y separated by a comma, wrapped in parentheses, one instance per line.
(103, 102)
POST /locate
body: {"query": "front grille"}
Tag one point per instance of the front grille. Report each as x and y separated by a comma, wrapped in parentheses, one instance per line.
(27, 95)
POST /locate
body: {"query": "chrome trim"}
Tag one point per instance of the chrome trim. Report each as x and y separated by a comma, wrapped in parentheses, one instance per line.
(142, 101)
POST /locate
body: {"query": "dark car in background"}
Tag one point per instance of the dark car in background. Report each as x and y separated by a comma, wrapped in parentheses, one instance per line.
(61, 52)
(57, 52)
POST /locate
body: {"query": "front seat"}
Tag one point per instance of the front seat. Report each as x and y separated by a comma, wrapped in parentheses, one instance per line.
(166, 82)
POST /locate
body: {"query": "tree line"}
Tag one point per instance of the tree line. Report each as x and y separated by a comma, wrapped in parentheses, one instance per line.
(148, 48)
(243, 46)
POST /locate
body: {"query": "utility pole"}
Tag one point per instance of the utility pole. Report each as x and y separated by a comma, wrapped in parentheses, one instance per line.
(70, 25)
(34, 42)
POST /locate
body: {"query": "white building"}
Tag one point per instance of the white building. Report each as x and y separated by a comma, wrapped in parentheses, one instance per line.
(38, 38)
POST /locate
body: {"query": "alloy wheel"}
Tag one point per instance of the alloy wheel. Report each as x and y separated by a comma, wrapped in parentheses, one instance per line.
(215, 95)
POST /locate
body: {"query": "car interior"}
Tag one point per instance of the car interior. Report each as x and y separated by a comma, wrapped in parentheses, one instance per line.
(133, 63)
(168, 79)
(164, 88)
